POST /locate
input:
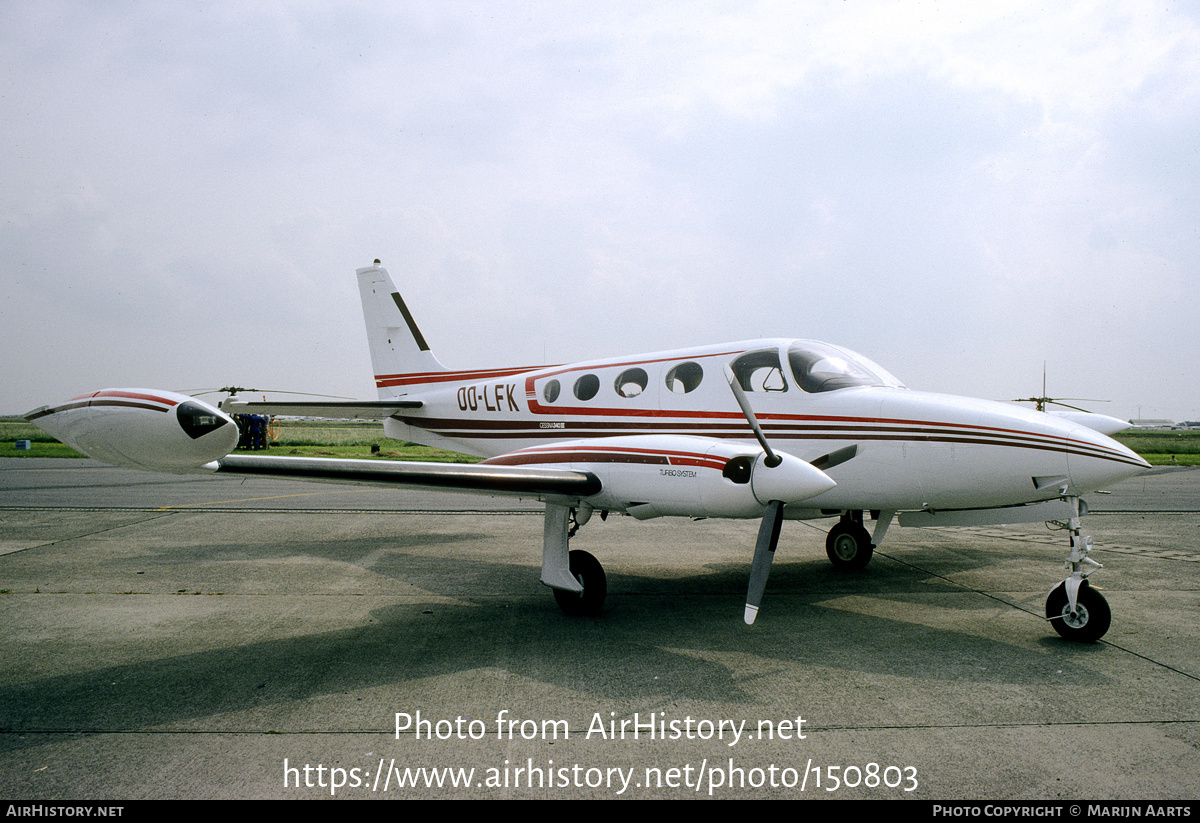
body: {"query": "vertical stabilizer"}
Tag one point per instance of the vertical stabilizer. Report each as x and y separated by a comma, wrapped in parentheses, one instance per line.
(399, 354)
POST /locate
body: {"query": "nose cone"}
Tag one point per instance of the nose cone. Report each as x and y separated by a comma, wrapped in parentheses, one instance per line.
(1095, 460)
(963, 453)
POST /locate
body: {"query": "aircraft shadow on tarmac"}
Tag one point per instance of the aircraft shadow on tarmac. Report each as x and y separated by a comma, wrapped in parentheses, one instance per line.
(660, 638)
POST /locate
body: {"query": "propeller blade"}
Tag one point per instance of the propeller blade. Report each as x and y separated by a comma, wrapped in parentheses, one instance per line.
(772, 458)
(764, 553)
(835, 458)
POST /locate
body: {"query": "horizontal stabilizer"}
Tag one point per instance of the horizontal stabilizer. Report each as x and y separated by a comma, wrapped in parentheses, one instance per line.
(347, 409)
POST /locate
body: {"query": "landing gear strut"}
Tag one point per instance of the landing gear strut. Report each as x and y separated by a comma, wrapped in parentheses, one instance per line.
(849, 543)
(1076, 610)
(576, 577)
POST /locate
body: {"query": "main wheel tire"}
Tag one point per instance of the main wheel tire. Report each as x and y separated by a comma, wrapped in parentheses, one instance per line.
(588, 571)
(1092, 614)
(849, 546)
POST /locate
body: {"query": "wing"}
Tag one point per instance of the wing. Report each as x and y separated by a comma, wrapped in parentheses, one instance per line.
(164, 431)
(644, 475)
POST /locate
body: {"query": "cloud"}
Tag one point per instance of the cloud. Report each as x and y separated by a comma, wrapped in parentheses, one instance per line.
(961, 191)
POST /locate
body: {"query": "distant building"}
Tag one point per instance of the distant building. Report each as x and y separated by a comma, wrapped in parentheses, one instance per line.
(1152, 423)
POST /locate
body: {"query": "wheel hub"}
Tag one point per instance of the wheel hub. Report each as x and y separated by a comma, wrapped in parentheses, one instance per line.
(1078, 619)
(846, 547)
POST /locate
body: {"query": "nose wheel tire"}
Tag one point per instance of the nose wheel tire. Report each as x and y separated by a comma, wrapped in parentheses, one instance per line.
(588, 571)
(849, 546)
(1090, 620)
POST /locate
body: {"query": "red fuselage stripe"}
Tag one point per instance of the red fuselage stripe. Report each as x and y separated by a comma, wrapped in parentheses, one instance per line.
(877, 430)
(110, 398)
(586, 454)
(418, 378)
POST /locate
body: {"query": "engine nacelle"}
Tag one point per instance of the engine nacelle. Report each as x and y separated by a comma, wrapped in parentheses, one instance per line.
(664, 475)
(140, 428)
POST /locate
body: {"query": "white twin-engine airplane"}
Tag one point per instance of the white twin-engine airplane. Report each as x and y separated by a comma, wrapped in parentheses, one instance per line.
(771, 429)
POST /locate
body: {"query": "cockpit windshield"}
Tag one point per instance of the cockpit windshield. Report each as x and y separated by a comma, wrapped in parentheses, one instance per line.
(820, 367)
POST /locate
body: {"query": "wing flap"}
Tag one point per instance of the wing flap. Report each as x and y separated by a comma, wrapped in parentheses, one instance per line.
(510, 481)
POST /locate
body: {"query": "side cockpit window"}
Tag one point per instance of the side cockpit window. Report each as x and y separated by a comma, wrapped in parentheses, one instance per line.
(759, 371)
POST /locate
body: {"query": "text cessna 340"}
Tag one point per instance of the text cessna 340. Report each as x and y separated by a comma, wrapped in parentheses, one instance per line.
(772, 429)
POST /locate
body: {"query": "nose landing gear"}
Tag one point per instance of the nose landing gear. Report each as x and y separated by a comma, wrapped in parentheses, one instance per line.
(1076, 610)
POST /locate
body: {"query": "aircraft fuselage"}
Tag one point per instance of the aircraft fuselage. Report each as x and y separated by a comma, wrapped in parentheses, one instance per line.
(916, 450)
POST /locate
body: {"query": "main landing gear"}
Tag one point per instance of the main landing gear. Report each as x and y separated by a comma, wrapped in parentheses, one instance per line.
(849, 544)
(576, 577)
(1076, 610)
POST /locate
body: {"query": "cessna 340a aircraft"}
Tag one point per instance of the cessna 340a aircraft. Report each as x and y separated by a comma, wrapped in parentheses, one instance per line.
(773, 429)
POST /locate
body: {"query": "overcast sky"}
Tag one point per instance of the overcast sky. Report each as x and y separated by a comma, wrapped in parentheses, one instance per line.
(960, 191)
